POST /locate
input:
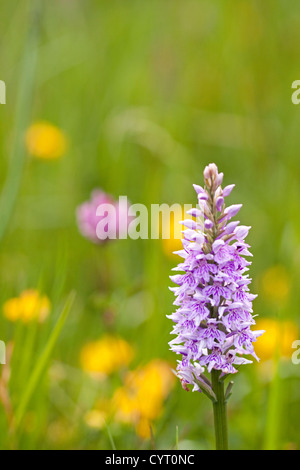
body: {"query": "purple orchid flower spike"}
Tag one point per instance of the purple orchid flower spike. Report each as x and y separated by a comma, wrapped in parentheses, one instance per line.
(214, 316)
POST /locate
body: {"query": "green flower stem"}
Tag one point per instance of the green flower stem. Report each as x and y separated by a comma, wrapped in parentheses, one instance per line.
(220, 412)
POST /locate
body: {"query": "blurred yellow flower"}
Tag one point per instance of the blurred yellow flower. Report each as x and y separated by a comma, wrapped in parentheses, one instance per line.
(140, 400)
(45, 141)
(29, 306)
(173, 243)
(143, 428)
(106, 355)
(277, 339)
(276, 284)
(96, 419)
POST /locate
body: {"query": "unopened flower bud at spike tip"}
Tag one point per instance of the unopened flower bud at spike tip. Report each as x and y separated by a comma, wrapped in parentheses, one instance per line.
(219, 179)
(210, 171)
(210, 174)
(227, 190)
(231, 211)
(198, 188)
(214, 316)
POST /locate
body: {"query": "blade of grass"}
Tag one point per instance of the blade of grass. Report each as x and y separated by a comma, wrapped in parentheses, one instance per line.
(110, 437)
(274, 409)
(24, 101)
(42, 363)
(26, 353)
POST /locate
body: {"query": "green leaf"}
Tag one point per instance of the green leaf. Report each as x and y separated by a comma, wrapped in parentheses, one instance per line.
(206, 389)
(228, 392)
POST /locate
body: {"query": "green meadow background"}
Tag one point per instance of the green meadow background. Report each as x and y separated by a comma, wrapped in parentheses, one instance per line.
(148, 93)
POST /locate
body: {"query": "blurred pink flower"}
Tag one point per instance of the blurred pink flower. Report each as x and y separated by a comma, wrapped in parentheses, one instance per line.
(102, 218)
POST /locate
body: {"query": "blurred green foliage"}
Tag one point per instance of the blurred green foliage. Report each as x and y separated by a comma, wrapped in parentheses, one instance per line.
(148, 92)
